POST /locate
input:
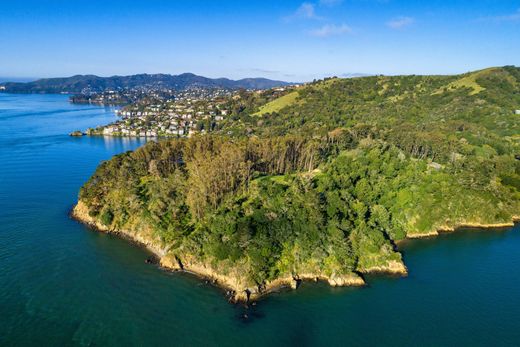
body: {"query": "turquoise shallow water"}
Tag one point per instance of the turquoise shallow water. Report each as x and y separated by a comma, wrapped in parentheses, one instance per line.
(62, 284)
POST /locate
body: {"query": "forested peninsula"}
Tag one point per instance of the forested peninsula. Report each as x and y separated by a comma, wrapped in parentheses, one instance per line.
(321, 183)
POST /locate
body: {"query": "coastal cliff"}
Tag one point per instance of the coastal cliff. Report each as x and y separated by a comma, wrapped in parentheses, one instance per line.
(234, 282)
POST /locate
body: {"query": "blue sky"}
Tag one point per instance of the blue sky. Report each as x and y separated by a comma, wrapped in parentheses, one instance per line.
(289, 40)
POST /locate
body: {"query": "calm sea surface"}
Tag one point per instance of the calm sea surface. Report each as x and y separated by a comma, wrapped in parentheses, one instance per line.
(62, 284)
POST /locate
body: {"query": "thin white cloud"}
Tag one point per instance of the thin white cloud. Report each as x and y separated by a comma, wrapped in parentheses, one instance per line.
(330, 3)
(331, 30)
(513, 17)
(265, 71)
(400, 22)
(306, 10)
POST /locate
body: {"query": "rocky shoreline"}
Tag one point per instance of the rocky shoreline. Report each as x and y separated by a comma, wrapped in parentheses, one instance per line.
(462, 225)
(235, 289)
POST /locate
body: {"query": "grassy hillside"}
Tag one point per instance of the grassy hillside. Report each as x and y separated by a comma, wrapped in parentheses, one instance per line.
(321, 182)
(278, 104)
(469, 82)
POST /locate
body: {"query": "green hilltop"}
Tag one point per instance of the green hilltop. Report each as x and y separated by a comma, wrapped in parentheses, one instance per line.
(323, 181)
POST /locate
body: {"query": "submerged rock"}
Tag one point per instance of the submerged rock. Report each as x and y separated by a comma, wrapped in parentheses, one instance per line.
(77, 133)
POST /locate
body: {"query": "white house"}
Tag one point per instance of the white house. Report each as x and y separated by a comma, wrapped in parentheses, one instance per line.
(109, 130)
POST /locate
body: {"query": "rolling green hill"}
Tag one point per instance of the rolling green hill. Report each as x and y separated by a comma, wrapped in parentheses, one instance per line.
(321, 183)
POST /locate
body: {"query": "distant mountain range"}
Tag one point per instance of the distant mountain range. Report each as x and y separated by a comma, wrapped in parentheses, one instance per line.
(92, 83)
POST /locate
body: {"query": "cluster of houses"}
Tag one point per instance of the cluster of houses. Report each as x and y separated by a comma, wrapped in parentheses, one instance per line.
(188, 112)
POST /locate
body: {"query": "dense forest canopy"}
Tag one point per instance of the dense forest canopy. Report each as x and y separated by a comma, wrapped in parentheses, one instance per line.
(326, 180)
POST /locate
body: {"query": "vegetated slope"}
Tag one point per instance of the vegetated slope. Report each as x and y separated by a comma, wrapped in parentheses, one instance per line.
(79, 83)
(279, 103)
(323, 187)
(468, 81)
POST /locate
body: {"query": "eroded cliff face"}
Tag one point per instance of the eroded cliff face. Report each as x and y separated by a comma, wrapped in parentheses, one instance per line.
(241, 290)
(145, 237)
(392, 267)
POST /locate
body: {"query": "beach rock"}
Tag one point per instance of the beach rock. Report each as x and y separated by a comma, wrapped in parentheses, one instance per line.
(295, 282)
(170, 262)
(345, 280)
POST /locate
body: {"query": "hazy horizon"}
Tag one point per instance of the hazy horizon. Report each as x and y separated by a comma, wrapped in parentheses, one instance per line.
(4, 79)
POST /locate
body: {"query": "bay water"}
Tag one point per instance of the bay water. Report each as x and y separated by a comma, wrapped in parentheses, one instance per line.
(63, 284)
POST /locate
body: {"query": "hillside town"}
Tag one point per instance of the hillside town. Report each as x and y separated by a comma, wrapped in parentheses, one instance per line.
(197, 110)
(121, 96)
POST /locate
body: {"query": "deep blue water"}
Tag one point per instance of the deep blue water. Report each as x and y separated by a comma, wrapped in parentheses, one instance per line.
(63, 284)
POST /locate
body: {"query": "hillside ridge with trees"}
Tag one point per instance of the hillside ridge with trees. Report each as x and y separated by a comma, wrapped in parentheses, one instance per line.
(92, 83)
